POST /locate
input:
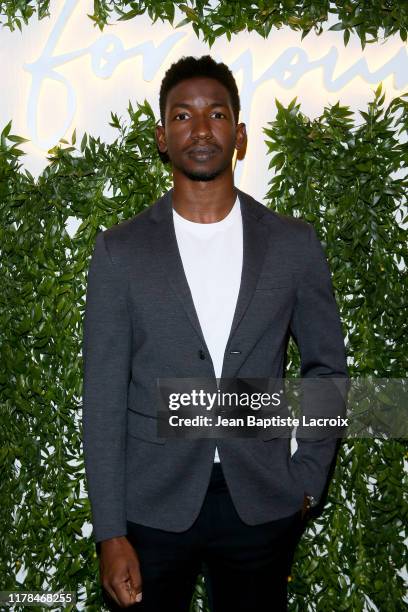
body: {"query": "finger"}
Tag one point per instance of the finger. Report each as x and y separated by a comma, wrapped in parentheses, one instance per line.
(135, 581)
(111, 593)
(135, 590)
(126, 594)
(108, 585)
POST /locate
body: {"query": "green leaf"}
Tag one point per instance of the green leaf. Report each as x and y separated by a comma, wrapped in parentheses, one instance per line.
(337, 27)
(6, 131)
(17, 139)
(131, 15)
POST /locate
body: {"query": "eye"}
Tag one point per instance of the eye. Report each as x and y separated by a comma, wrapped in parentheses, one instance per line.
(218, 115)
(181, 116)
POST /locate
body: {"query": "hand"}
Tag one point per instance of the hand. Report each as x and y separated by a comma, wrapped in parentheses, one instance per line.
(119, 571)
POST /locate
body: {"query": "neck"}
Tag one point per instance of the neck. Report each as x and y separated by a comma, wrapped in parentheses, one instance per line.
(204, 201)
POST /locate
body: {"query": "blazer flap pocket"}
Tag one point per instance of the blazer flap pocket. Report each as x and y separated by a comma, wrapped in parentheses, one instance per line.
(283, 432)
(280, 426)
(143, 427)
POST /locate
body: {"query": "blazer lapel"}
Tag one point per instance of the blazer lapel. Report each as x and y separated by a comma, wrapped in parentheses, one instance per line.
(255, 242)
(165, 246)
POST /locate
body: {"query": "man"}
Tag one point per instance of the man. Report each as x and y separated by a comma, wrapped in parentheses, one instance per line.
(205, 283)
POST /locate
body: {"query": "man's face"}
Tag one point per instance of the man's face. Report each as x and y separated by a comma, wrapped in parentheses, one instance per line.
(200, 132)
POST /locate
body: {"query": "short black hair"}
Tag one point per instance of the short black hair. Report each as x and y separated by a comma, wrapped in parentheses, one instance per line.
(191, 67)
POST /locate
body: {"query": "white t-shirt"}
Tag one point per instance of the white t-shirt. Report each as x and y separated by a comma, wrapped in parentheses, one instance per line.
(212, 260)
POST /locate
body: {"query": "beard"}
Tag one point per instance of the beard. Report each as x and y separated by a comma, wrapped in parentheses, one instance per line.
(201, 176)
(205, 175)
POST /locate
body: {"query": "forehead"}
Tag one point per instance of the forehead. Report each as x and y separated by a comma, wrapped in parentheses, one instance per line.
(198, 91)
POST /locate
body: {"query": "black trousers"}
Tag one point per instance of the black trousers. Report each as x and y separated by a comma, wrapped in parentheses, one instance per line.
(245, 567)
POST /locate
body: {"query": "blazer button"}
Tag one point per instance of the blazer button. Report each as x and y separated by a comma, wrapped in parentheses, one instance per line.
(201, 354)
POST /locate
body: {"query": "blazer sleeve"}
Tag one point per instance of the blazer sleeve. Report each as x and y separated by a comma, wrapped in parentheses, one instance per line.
(106, 374)
(316, 328)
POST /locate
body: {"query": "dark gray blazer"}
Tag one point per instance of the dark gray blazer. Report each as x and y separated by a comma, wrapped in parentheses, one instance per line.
(140, 324)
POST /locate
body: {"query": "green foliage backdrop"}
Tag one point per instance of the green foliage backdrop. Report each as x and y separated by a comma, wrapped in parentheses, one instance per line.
(345, 174)
(342, 178)
(369, 19)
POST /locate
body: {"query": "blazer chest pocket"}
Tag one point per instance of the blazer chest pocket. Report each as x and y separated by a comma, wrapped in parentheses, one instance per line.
(143, 427)
(272, 281)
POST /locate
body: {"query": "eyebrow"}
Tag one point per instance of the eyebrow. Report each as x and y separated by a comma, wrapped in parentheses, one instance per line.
(185, 105)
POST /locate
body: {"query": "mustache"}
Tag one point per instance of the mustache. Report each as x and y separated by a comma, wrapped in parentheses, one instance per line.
(203, 148)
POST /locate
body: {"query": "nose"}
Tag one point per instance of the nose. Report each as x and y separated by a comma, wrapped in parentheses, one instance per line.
(201, 129)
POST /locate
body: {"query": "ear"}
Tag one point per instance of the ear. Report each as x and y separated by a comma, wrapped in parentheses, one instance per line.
(240, 136)
(161, 139)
